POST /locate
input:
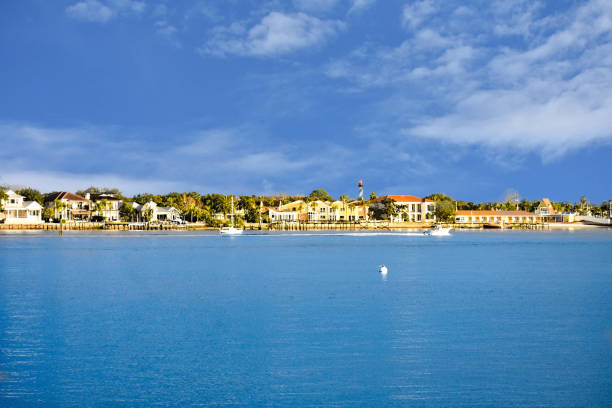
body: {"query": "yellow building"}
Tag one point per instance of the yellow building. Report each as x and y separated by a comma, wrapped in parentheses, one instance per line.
(319, 211)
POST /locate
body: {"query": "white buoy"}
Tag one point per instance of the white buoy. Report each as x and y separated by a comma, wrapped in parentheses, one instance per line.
(382, 269)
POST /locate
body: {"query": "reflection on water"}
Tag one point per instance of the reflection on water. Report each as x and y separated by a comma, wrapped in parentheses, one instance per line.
(488, 319)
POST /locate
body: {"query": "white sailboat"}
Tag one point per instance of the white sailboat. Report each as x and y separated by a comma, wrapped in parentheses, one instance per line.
(231, 230)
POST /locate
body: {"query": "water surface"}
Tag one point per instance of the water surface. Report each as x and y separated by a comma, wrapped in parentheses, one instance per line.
(478, 319)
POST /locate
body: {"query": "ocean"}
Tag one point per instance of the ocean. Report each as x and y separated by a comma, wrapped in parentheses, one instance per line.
(481, 318)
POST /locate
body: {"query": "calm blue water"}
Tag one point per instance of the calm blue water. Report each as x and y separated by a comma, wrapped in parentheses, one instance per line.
(477, 319)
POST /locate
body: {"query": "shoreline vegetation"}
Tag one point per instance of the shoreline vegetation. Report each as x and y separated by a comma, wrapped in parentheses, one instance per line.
(370, 226)
(109, 209)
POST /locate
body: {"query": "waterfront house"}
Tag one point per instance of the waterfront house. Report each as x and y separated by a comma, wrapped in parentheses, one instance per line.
(496, 217)
(548, 213)
(319, 211)
(410, 208)
(18, 211)
(545, 208)
(107, 205)
(156, 212)
(75, 207)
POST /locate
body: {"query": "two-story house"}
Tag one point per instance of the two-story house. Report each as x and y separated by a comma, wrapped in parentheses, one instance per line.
(106, 205)
(410, 208)
(18, 211)
(69, 206)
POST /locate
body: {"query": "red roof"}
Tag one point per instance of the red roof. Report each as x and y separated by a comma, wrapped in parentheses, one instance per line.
(66, 195)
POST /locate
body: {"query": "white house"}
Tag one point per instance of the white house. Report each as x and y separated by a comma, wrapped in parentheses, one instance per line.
(158, 213)
(112, 205)
(17, 211)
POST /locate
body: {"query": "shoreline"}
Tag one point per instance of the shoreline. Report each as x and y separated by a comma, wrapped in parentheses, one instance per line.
(378, 227)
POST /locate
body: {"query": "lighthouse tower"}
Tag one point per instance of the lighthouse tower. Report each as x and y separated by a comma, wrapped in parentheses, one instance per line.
(360, 185)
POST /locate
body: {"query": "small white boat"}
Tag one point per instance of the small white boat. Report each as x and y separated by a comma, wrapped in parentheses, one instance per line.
(231, 231)
(382, 269)
(438, 230)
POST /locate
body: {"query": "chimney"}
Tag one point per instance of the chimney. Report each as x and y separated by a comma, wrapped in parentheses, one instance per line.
(87, 196)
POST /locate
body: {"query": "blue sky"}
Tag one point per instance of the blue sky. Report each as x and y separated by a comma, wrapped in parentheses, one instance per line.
(414, 97)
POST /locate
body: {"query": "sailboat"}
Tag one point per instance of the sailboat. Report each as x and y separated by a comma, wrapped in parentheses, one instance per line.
(231, 230)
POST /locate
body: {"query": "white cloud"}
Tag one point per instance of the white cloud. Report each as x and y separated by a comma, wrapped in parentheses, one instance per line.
(545, 116)
(552, 98)
(549, 93)
(416, 13)
(90, 10)
(168, 31)
(207, 160)
(275, 34)
(101, 12)
(359, 5)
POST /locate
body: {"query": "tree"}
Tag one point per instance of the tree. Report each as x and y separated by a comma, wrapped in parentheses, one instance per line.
(584, 205)
(438, 197)
(59, 206)
(391, 209)
(146, 197)
(127, 211)
(99, 190)
(102, 206)
(372, 196)
(30, 194)
(444, 211)
(344, 198)
(147, 213)
(3, 196)
(321, 194)
(47, 213)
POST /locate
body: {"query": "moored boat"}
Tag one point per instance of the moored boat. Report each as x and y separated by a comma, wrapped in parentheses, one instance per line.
(231, 230)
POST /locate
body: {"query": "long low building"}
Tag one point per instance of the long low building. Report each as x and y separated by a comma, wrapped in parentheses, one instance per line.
(496, 217)
(319, 211)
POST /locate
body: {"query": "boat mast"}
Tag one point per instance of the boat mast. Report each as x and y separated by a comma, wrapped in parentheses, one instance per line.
(232, 216)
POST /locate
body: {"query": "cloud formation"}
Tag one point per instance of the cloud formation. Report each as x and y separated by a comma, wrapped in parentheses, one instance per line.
(90, 10)
(276, 34)
(549, 92)
(206, 160)
(101, 12)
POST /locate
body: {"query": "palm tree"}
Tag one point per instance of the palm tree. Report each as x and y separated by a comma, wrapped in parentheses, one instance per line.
(101, 207)
(59, 206)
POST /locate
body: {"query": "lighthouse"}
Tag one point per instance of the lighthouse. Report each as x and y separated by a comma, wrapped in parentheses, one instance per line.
(360, 185)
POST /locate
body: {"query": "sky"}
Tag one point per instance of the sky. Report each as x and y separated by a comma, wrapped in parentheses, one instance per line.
(468, 98)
